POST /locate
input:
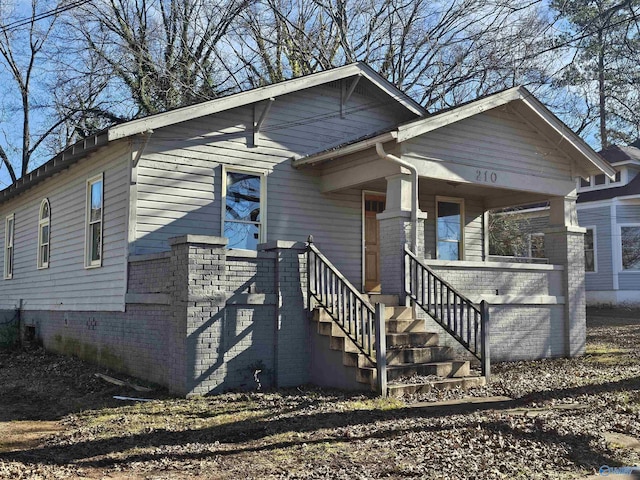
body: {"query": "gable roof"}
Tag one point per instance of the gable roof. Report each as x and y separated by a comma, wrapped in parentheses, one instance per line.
(264, 93)
(615, 154)
(524, 102)
(82, 148)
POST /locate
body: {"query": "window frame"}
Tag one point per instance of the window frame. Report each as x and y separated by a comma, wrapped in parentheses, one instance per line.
(530, 238)
(595, 249)
(620, 227)
(9, 249)
(41, 223)
(88, 262)
(617, 182)
(461, 246)
(262, 225)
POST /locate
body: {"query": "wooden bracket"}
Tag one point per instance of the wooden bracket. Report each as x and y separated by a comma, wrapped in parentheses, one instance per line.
(257, 124)
(346, 94)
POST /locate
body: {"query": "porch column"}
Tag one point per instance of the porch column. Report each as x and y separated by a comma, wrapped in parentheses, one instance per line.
(564, 245)
(396, 232)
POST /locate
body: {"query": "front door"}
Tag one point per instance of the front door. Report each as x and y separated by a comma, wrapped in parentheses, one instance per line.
(373, 204)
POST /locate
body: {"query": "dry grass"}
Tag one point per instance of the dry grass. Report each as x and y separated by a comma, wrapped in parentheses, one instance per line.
(557, 425)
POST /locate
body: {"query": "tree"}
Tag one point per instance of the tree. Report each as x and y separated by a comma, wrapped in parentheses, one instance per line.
(163, 53)
(604, 40)
(443, 53)
(33, 56)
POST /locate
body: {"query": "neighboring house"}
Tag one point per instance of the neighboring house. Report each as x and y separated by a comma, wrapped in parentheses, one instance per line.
(610, 211)
(173, 247)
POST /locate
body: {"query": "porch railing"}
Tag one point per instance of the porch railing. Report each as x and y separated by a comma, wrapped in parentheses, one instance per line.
(347, 307)
(464, 321)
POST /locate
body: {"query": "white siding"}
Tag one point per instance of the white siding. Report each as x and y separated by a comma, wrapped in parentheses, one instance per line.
(179, 174)
(66, 284)
(497, 140)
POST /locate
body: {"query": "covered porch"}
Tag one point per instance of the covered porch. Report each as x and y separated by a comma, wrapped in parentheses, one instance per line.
(429, 186)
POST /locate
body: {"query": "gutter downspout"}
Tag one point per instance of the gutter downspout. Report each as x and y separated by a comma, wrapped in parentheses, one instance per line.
(414, 191)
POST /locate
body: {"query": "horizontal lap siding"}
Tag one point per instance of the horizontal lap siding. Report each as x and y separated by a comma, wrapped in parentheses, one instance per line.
(66, 284)
(497, 140)
(601, 219)
(179, 174)
(629, 214)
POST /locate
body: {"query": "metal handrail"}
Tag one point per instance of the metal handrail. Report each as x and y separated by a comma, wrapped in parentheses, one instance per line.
(455, 313)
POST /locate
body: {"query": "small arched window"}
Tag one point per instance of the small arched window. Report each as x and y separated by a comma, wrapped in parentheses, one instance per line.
(44, 234)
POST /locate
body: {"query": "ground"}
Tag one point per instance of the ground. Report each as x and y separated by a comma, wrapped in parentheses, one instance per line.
(561, 418)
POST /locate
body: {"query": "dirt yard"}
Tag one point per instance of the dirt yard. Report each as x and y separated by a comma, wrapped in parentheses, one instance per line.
(548, 419)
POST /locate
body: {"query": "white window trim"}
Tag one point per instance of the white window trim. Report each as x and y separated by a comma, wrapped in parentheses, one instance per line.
(88, 263)
(595, 248)
(608, 183)
(9, 244)
(619, 249)
(40, 264)
(262, 232)
(459, 201)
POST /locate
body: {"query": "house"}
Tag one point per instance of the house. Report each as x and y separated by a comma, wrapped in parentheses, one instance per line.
(609, 209)
(174, 247)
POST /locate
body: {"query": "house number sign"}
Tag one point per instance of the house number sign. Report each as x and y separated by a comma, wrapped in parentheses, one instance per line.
(488, 176)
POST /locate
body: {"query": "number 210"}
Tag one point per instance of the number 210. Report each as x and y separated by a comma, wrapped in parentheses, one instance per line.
(486, 176)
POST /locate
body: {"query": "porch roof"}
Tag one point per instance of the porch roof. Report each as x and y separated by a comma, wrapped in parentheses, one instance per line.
(523, 102)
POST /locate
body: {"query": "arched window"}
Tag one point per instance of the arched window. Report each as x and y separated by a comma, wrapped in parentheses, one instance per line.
(44, 234)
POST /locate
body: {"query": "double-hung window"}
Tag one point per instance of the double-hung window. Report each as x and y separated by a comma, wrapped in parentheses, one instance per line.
(590, 261)
(9, 233)
(630, 238)
(93, 234)
(449, 228)
(243, 215)
(44, 233)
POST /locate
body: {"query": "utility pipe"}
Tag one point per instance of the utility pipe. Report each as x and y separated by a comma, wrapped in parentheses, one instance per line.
(414, 192)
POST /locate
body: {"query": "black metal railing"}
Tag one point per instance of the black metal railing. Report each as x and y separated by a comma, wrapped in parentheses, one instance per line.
(459, 316)
(341, 300)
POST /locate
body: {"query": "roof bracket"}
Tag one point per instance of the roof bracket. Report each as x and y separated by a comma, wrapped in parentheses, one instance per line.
(346, 94)
(257, 124)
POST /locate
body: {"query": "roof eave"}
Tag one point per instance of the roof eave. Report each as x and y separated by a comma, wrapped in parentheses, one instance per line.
(345, 150)
(61, 161)
(262, 93)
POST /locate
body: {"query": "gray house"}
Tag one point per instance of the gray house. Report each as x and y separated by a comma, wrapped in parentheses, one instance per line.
(174, 247)
(609, 209)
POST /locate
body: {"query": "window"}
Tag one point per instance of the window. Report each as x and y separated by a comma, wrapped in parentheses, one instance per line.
(44, 232)
(596, 182)
(449, 228)
(630, 237)
(243, 204)
(590, 264)
(536, 245)
(9, 232)
(93, 247)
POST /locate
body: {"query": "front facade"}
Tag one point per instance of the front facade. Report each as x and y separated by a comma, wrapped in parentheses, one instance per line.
(173, 247)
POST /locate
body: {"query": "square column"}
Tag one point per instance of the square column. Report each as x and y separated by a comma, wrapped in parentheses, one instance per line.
(396, 231)
(564, 245)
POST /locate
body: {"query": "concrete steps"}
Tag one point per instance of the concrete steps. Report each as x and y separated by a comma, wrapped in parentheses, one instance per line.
(416, 362)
